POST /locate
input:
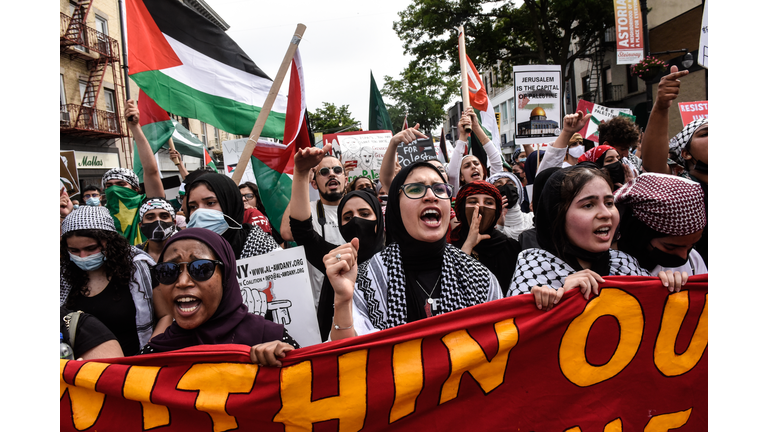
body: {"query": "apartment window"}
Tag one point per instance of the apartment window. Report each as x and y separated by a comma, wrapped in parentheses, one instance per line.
(62, 94)
(504, 113)
(89, 119)
(511, 103)
(204, 133)
(76, 12)
(632, 85)
(103, 35)
(109, 100)
(216, 136)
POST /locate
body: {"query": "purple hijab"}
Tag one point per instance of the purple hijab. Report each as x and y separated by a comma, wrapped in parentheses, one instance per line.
(231, 323)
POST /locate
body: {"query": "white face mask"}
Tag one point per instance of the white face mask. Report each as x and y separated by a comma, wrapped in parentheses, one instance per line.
(576, 151)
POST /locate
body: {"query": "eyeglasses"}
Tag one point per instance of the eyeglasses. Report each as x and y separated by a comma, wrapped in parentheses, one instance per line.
(248, 196)
(200, 270)
(418, 190)
(327, 171)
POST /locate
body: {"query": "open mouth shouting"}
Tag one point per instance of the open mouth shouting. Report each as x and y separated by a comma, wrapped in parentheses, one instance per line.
(187, 305)
(431, 217)
(604, 233)
(332, 184)
(476, 175)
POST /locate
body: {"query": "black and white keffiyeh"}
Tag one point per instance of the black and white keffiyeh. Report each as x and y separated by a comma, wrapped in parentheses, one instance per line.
(681, 140)
(539, 267)
(258, 242)
(156, 203)
(88, 217)
(121, 174)
(465, 282)
(492, 179)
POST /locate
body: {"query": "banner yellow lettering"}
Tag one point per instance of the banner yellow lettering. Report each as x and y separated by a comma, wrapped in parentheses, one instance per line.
(86, 402)
(664, 356)
(138, 386)
(408, 369)
(665, 422)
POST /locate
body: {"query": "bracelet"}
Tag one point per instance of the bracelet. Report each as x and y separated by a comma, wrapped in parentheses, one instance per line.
(342, 328)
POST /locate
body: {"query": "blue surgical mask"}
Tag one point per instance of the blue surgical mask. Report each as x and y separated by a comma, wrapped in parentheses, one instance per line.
(91, 262)
(76, 206)
(213, 220)
(93, 201)
(522, 159)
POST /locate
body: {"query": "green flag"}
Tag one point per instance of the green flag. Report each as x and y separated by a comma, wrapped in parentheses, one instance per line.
(378, 117)
(123, 204)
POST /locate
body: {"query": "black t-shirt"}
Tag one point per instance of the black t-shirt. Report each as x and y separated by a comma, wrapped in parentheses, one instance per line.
(114, 307)
(89, 334)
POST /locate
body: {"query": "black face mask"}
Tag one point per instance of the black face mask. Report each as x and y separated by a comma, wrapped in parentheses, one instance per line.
(667, 260)
(157, 230)
(616, 171)
(365, 231)
(510, 191)
(519, 176)
(369, 190)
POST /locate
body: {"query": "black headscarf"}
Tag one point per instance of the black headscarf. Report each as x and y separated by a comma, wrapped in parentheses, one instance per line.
(550, 232)
(231, 201)
(538, 187)
(531, 166)
(369, 249)
(230, 323)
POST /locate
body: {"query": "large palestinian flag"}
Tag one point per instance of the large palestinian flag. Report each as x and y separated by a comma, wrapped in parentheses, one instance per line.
(193, 69)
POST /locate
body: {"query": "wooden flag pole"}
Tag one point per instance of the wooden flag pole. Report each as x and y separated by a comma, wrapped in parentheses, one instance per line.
(267, 107)
(175, 160)
(463, 64)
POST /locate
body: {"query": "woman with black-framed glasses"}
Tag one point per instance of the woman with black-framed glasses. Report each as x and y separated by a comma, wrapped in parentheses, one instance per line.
(417, 276)
(198, 277)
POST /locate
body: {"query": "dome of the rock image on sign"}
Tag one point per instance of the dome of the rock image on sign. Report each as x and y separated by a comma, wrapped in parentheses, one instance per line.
(538, 125)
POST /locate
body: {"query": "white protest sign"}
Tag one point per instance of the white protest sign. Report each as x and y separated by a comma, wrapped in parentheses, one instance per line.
(232, 151)
(365, 148)
(537, 109)
(279, 282)
(704, 40)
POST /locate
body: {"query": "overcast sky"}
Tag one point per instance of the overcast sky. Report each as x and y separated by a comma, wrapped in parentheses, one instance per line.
(344, 41)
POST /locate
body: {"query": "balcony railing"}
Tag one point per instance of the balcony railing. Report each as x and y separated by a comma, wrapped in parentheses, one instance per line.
(93, 122)
(86, 39)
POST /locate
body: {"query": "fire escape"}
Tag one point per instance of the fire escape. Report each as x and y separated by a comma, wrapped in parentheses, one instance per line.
(599, 90)
(99, 52)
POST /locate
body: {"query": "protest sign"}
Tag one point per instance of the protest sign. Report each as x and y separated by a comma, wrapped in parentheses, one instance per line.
(599, 114)
(279, 282)
(537, 112)
(366, 148)
(232, 150)
(68, 177)
(417, 151)
(634, 357)
(703, 57)
(629, 31)
(690, 111)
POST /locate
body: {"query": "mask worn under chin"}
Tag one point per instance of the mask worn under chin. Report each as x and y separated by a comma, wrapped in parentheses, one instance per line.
(91, 262)
(616, 171)
(487, 214)
(157, 230)
(510, 191)
(213, 220)
(94, 202)
(576, 151)
(667, 260)
(365, 231)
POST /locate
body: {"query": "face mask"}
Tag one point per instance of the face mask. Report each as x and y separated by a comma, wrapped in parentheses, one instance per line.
(365, 231)
(91, 262)
(213, 220)
(616, 171)
(75, 206)
(157, 230)
(370, 191)
(510, 191)
(383, 199)
(667, 260)
(522, 159)
(576, 151)
(94, 202)
(487, 214)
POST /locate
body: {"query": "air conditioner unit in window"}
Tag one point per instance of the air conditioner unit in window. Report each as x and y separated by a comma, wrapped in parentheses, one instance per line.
(64, 116)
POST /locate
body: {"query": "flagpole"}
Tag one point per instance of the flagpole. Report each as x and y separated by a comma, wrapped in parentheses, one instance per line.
(463, 64)
(175, 160)
(267, 107)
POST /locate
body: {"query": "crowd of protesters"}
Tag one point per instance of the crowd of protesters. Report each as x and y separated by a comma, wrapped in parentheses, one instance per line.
(421, 240)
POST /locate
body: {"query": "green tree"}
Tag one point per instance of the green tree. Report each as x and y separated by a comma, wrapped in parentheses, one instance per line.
(330, 119)
(537, 32)
(423, 90)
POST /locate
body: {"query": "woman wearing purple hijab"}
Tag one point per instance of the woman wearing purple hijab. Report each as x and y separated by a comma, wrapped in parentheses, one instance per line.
(197, 276)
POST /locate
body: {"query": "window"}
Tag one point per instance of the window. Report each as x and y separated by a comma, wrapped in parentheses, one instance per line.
(631, 80)
(511, 103)
(89, 120)
(103, 34)
(76, 12)
(204, 133)
(109, 100)
(504, 113)
(62, 94)
(216, 136)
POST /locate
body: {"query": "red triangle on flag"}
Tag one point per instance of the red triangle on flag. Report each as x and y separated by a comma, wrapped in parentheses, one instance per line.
(146, 38)
(150, 111)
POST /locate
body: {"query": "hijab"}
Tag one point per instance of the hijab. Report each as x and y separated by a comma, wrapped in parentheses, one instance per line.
(596, 155)
(370, 243)
(531, 165)
(231, 201)
(550, 232)
(230, 323)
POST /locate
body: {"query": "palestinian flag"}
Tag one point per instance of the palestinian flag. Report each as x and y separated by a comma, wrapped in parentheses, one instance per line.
(191, 68)
(123, 204)
(159, 128)
(378, 116)
(272, 162)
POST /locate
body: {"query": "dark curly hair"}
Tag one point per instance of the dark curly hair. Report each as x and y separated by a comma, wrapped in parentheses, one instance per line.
(118, 264)
(618, 132)
(252, 186)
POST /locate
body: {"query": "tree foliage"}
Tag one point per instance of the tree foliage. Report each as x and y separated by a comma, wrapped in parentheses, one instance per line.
(423, 90)
(330, 119)
(536, 32)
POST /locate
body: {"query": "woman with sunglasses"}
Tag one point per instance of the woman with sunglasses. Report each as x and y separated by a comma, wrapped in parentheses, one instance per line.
(103, 275)
(214, 202)
(359, 216)
(417, 276)
(198, 277)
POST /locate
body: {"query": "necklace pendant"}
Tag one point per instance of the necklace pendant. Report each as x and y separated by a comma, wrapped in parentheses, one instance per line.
(428, 308)
(429, 300)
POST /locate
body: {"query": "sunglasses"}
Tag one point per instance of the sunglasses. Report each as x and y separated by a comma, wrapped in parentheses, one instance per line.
(200, 270)
(418, 190)
(248, 196)
(327, 171)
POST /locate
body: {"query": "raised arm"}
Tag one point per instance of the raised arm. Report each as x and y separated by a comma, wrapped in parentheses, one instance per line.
(656, 137)
(299, 207)
(494, 154)
(454, 165)
(153, 185)
(179, 163)
(387, 171)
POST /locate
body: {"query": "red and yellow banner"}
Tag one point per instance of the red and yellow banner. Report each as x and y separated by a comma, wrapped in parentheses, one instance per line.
(632, 358)
(629, 31)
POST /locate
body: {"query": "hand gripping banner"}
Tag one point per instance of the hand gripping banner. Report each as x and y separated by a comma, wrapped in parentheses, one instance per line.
(633, 358)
